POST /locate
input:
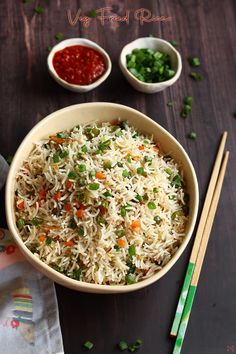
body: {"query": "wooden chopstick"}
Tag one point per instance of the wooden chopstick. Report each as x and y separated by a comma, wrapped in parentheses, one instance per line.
(198, 237)
(200, 258)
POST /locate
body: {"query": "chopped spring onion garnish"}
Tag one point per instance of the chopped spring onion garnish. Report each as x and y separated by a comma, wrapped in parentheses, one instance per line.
(94, 186)
(122, 345)
(194, 61)
(88, 345)
(149, 66)
(196, 76)
(130, 279)
(192, 135)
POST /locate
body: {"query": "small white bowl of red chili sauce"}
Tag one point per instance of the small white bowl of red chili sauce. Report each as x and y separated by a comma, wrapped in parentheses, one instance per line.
(78, 64)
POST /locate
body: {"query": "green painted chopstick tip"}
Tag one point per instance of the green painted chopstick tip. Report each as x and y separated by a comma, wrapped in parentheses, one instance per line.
(184, 320)
(182, 300)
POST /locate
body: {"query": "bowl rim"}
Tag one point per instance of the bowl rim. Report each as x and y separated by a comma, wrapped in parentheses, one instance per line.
(87, 43)
(59, 277)
(152, 84)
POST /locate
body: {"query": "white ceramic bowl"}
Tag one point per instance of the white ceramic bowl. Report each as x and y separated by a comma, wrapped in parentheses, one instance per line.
(155, 44)
(84, 113)
(87, 43)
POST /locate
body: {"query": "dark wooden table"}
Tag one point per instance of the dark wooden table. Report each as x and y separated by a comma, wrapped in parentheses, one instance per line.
(27, 94)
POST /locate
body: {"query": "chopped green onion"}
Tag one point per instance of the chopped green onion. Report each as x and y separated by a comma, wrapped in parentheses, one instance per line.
(131, 250)
(56, 158)
(157, 219)
(118, 133)
(81, 231)
(94, 186)
(135, 346)
(176, 181)
(147, 159)
(88, 345)
(194, 61)
(123, 211)
(48, 241)
(169, 171)
(81, 168)
(140, 170)
(155, 190)
(107, 194)
(81, 182)
(116, 247)
(100, 220)
(129, 159)
(20, 223)
(139, 198)
(95, 131)
(188, 100)
(126, 173)
(192, 135)
(120, 233)
(61, 135)
(122, 345)
(72, 175)
(151, 205)
(91, 174)
(130, 279)
(149, 66)
(196, 76)
(77, 274)
(174, 43)
(36, 221)
(84, 149)
(107, 164)
(59, 36)
(185, 111)
(63, 154)
(39, 9)
(169, 104)
(104, 145)
(175, 215)
(120, 164)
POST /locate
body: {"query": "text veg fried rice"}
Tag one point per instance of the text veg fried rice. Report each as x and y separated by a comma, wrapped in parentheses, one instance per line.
(101, 204)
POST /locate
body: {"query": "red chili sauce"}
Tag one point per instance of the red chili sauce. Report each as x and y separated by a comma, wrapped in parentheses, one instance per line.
(79, 65)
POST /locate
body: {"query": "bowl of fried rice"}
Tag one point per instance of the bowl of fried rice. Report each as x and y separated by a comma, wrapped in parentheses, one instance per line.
(100, 198)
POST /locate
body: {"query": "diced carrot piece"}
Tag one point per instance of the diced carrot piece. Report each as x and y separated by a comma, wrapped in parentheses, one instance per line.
(42, 238)
(56, 168)
(103, 210)
(121, 242)
(135, 224)
(100, 175)
(69, 243)
(141, 147)
(69, 184)
(80, 213)
(20, 204)
(42, 194)
(56, 139)
(57, 196)
(67, 207)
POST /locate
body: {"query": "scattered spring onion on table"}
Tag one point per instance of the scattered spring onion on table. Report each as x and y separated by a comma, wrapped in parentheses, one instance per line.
(150, 66)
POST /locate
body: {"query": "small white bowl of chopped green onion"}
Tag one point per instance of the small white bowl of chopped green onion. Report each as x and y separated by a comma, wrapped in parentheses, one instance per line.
(150, 64)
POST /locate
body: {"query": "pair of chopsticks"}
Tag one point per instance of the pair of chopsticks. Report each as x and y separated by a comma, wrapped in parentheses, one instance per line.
(188, 291)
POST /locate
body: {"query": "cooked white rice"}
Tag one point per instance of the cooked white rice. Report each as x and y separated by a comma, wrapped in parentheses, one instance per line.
(101, 204)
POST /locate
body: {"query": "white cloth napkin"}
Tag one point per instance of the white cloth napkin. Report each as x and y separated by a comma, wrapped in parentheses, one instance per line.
(29, 320)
